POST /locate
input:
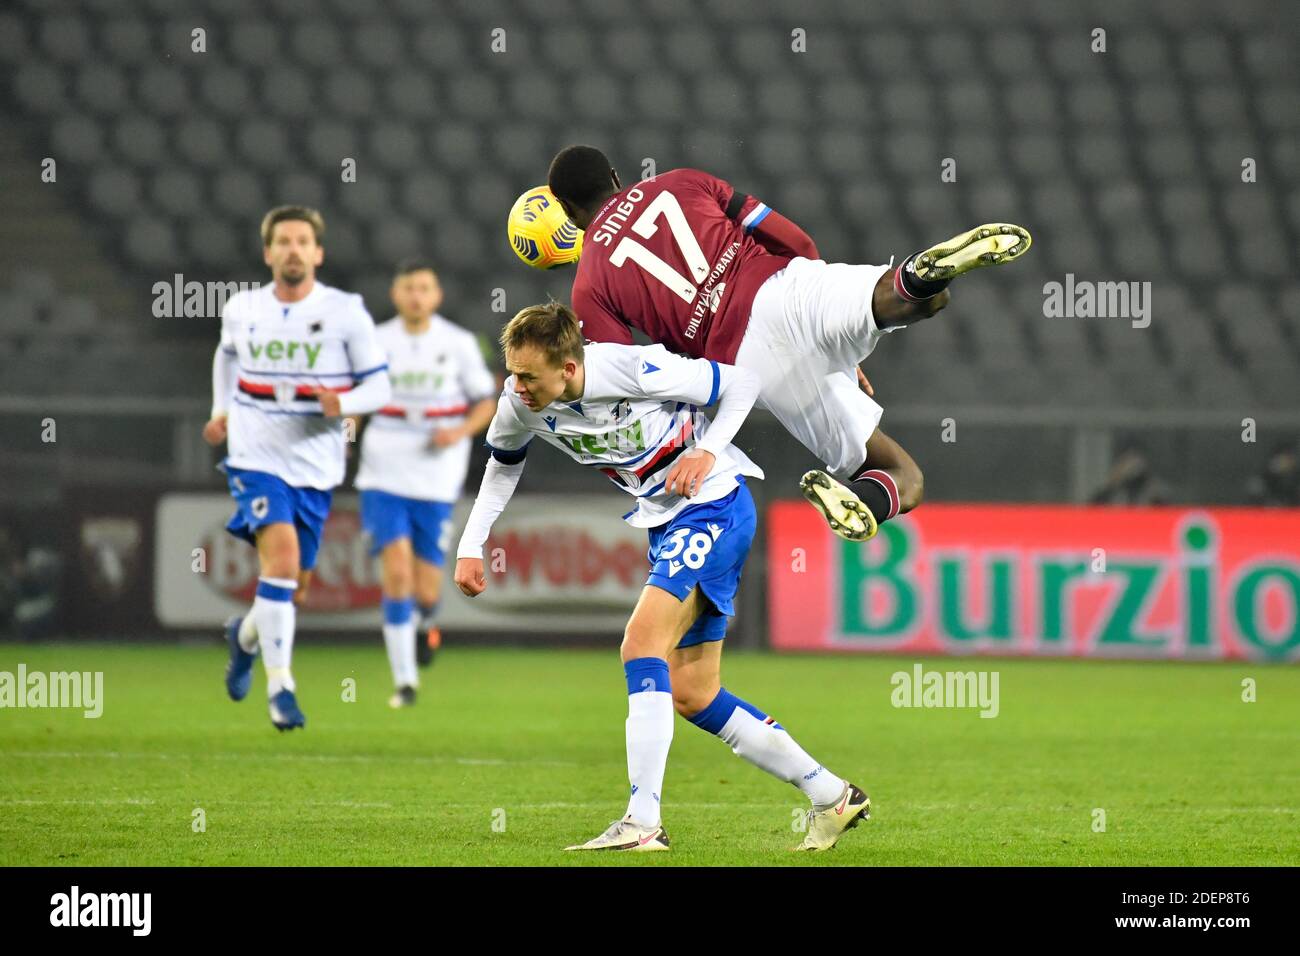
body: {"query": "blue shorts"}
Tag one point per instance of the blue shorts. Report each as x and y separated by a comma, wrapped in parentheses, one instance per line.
(386, 518)
(705, 546)
(261, 499)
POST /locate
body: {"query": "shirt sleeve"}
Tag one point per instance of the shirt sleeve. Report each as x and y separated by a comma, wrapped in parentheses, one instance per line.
(475, 378)
(507, 436)
(371, 390)
(225, 361)
(494, 493)
(224, 374)
(661, 374)
(598, 322)
(231, 322)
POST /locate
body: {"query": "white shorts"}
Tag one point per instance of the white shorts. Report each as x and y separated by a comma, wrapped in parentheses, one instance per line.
(810, 326)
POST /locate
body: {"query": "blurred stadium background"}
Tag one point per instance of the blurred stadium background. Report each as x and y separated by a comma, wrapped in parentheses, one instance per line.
(1127, 165)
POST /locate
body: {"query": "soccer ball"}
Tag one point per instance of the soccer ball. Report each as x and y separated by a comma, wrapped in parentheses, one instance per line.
(540, 233)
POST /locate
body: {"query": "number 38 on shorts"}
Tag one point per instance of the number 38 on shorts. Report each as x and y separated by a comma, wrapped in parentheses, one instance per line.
(704, 545)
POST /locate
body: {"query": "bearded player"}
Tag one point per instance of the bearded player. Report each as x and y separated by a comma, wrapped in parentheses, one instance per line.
(714, 273)
(295, 357)
(633, 412)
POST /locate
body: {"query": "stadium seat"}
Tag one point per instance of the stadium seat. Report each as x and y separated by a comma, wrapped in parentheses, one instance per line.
(598, 96)
(428, 197)
(178, 192)
(688, 51)
(366, 199)
(151, 241)
(127, 40)
(239, 194)
(163, 91)
(102, 89)
(289, 92)
(78, 138)
(215, 243)
(141, 141)
(202, 142)
(114, 191)
(227, 89)
(412, 94)
(65, 38)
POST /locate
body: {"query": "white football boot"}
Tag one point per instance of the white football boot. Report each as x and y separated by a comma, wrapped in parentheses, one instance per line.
(839, 505)
(627, 834)
(825, 827)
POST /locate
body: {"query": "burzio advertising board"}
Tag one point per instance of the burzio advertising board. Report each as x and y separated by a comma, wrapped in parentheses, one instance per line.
(562, 566)
(1041, 580)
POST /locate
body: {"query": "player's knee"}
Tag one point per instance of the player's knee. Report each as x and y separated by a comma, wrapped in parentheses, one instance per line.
(281, 563)
(689, 700)
(398, 583)
(641, 639)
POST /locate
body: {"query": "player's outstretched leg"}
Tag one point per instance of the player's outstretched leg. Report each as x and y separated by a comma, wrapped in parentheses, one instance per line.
(887, 483)
(699, 696)
(917, 289)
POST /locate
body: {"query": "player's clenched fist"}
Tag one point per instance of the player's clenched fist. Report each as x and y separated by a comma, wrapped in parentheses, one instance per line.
(214, 432)
(688, 474)
(469, 576)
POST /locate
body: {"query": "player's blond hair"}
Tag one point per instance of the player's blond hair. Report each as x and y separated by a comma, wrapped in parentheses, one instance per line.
(293, 214)
(551, 327)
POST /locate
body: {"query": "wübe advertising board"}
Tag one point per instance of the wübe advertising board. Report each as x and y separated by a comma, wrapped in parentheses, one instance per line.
(553, 565)
(1041, 580)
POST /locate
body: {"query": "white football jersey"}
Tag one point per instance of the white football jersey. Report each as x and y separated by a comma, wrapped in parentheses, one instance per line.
(286, 350)
(438, 376)
(640, 410)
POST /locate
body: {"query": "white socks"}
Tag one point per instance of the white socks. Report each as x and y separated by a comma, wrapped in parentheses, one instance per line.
(758, 738)
(399, 639)
(649, 728)
(273, 621)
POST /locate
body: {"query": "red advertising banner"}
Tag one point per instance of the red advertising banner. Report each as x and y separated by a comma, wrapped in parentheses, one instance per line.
(1041, 580)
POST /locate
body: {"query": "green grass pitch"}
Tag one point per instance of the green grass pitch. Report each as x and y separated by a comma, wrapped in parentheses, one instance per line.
(513, 754)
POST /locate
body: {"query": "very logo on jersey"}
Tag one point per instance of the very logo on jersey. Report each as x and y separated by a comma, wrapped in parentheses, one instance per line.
(276, 349)
(627, 439)
(416, 381)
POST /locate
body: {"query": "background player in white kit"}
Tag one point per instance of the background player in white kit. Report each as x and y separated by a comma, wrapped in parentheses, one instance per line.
(295, 356)
(634, 413)
(414, 456)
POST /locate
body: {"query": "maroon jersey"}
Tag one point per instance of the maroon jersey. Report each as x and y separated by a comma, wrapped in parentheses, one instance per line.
(673, 256)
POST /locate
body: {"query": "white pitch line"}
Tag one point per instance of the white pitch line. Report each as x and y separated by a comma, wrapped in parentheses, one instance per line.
(312, 758)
